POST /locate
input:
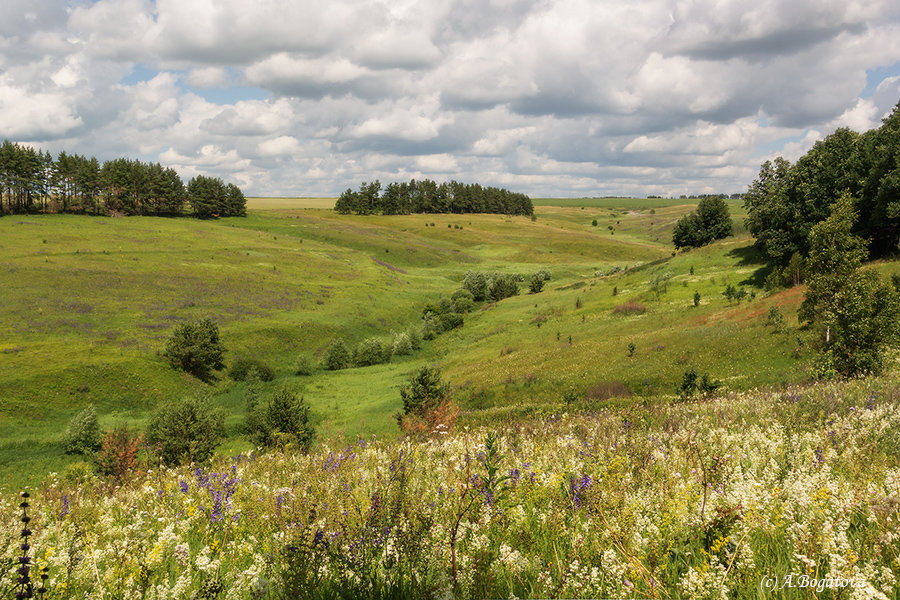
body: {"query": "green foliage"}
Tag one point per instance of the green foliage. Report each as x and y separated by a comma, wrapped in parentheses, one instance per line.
(503, 285)
(337, 356)
(242, 366)
(476, 283)
(305, 365)
(210, 197)
(696, 298)
(775, 319)
(283, 421)
(426, 196)
(450, 320)
(462, 304)
(835, 253)
(659, 283)
(83, 435)
(186, 431)
(786, 201)
(710, 222)
(631, 348)
(537, 280)
(693, 383)
(402, 345)
(371, 351)
(424, 391)
(195, 347)
(865, 323)
(733, 294)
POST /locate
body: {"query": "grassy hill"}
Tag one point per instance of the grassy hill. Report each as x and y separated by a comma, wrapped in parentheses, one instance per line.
(88, 304)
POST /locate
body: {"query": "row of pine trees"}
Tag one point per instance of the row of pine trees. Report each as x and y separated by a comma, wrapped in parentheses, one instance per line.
(32, 181)
(427, 196)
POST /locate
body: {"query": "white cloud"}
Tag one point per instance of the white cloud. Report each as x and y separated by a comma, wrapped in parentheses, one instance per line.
(280, 146)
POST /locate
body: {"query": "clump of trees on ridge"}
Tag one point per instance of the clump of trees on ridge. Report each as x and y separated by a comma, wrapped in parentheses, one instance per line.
(710, 222)
(427, 196)
(787, 200)
(32, 181)
(818, 220)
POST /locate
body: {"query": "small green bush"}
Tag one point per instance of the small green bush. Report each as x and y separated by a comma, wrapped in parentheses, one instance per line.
(450, 320)
(402, 345)
(337, 356)
(431, 327)
(775, 319)
(241, 366)
(693, 383)
(503, 285)
(284, 421)
(476, 283)
(83, 435)
(371, 351)
(535, 284)
(424, 391)
(196, 348)
(462, 293)
(186, 431)
(462, 305)
(305, 366)
(415, 337)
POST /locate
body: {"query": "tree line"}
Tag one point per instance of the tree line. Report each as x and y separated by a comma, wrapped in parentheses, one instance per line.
(787, 200)
(32, 181)
(427, 196)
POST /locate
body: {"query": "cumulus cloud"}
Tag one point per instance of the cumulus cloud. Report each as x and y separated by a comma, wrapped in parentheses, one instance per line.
(555, 97)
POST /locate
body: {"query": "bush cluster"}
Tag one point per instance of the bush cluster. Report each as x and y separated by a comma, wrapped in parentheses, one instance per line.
(242, 366)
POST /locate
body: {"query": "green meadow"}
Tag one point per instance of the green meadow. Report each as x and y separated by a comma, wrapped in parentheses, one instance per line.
(87, 305)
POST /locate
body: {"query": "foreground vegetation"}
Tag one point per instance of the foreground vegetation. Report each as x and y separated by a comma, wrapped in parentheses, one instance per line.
(702, 499)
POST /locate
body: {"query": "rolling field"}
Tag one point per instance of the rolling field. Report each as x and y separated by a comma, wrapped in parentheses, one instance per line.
(88, 304)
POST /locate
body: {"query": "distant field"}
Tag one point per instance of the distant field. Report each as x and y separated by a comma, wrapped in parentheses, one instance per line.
(288, 203)
(89, 302)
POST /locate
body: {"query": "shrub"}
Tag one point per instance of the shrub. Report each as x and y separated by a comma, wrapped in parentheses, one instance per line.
(431, 327)
(371, 351)
(284, 421)
(425, 391)
(241, 366)
(630, 308)
(775, 319)
(696, 298)
(503, 286)
(450, 320)
(337, 356)
(692, 383)
(83, 435)
(402, 344)
(186, 431)
(463, 304)
(461, 293)
(536, 283)
(196, 348)
(415, 337)
(118, 453)
(306, 365)
(476, 283)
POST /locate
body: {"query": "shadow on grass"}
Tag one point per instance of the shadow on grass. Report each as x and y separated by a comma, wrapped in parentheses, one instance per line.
(748, 256)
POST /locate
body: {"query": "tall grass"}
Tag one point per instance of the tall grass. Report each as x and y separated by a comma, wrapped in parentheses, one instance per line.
(699, 500)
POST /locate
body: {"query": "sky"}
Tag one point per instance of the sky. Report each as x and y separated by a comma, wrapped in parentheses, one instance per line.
(564, 98)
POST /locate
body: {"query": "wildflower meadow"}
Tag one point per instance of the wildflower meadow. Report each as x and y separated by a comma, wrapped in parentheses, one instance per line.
(708, 499)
